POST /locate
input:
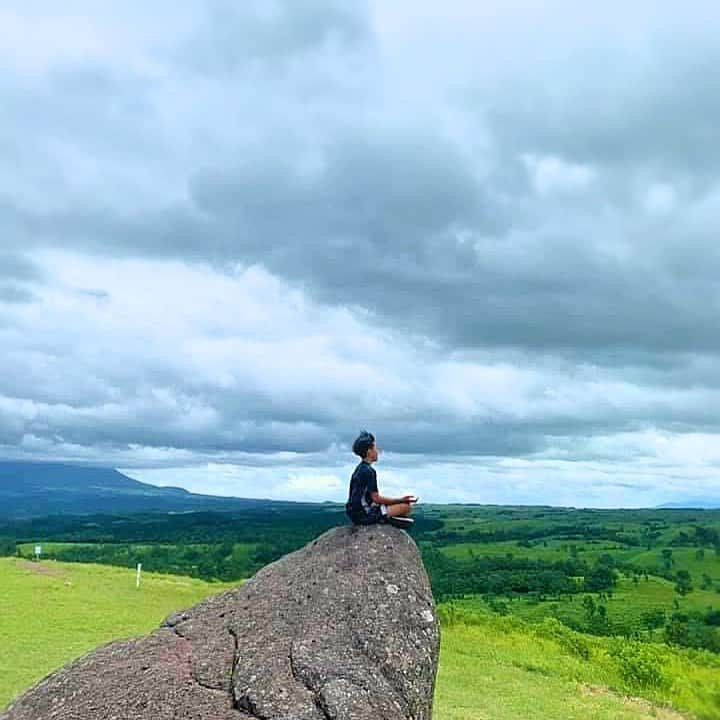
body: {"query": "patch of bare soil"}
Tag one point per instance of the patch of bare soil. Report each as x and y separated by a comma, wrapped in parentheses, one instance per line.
(40, 568)
(650, 709)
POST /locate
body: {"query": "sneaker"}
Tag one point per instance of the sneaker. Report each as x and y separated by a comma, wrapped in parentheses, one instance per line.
(401, 522)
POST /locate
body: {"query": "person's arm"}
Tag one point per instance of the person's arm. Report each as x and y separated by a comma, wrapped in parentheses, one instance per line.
(382, 500)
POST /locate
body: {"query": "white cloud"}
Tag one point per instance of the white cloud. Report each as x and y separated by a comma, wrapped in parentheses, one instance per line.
(660, 199)
(314, 485)
(554, 175)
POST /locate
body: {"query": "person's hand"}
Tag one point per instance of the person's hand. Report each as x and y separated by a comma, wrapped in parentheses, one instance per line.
(409, 499)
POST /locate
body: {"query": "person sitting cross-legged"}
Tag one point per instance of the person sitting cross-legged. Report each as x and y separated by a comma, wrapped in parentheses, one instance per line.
(365, 504)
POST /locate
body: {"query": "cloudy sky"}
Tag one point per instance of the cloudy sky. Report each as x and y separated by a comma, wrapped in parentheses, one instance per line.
(234, 234)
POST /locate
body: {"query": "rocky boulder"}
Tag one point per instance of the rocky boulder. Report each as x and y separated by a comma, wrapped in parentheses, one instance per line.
(343, 628)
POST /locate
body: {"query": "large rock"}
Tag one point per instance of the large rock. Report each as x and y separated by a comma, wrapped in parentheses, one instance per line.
(344, 628)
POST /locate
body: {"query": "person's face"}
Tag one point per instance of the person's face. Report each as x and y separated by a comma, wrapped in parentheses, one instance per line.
(372, 454)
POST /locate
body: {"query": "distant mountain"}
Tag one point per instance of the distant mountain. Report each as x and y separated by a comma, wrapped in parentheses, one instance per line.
(693, 504)
(35, 489)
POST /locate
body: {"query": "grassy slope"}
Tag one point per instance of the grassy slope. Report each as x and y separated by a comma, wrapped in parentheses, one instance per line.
(51, 616)
(503, 669)
(488, 675)
(684, 558)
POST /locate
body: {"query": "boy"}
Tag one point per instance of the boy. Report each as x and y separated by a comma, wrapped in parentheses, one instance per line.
(365, 505)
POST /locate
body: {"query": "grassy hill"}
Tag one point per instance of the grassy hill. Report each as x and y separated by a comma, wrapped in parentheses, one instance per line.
(490, 667)
(53, 612)
(626, 607)
(503, 668)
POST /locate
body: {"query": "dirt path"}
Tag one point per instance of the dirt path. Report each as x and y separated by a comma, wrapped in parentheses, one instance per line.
(653, 711)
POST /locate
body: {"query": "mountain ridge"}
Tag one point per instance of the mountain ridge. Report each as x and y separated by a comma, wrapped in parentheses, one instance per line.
(692, 504)
(35, 489)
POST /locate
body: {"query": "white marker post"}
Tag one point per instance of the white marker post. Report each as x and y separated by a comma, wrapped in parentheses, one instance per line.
(38, 550)
(137, 579)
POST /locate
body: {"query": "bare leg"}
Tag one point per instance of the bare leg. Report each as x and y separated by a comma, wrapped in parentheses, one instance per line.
(401, 509)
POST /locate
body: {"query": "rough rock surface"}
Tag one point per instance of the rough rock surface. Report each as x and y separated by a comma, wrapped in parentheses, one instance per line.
(344, 629)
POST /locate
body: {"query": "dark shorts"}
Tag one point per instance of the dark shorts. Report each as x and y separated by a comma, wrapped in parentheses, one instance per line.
(372, 516)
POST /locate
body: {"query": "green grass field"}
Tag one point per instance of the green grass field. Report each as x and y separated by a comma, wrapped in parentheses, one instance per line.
(491, 668)
(551, 550)
(53, 612)
(683, 558)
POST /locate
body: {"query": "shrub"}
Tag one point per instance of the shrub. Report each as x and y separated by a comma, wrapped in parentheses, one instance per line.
(448, 613)
(570, 641)
(641, 665)
(498, 606)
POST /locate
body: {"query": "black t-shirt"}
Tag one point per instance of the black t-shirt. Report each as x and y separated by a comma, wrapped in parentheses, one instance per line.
(362, 483)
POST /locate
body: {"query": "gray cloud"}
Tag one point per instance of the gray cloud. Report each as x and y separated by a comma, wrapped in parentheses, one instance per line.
(638, 108)
(231, 36)
(15, 294)
(382, 213)
(18, 267)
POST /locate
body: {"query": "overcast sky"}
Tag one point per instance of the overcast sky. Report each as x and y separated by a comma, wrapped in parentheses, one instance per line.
(234, 234)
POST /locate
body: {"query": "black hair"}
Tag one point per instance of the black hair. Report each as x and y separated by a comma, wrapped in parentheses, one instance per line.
(363, 442)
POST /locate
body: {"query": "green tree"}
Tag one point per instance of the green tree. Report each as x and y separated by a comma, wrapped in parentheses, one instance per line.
(652, 619)
(7, 546)
(601, 578)
(676, 631)
(595, 616)
(683, 582)
(667, 558)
